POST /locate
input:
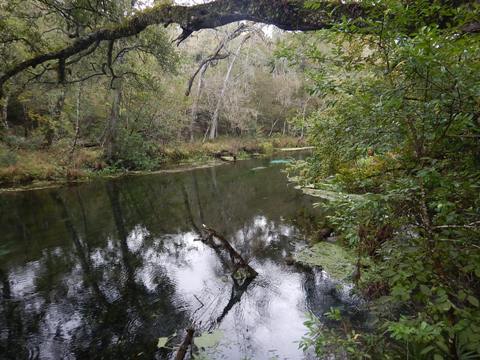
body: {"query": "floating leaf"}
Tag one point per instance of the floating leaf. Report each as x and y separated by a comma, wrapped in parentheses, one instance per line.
(209, 340)
(162, 342)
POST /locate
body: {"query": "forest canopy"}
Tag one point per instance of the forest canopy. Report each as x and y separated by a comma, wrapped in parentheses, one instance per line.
(386, 92)
(286, 14)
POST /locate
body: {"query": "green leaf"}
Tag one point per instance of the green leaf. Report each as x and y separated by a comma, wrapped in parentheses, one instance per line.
(425, 290)
(473, 300)
(427, 350)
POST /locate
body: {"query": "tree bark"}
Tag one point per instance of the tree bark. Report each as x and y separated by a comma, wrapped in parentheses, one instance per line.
(214, 126)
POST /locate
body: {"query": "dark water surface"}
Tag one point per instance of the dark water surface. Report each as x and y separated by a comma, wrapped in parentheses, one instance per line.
(103, 270)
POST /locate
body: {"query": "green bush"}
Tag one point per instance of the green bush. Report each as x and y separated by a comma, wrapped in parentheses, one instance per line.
(399, 127)
(7, 157)
(134, 152)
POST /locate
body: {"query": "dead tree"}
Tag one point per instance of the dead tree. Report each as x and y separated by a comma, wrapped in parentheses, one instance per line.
(216, 113)
(237, 260)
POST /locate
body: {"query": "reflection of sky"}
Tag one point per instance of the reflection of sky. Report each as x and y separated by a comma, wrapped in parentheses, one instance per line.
(68, 293)
(268, 319)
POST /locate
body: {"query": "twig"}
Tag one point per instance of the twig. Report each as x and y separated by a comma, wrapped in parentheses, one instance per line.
(474, 225)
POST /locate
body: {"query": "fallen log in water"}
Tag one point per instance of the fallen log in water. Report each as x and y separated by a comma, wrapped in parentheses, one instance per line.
(237, 260)
(187, 342)
(226, 155)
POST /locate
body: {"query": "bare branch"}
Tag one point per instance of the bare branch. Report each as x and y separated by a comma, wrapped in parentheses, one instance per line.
(216, 55)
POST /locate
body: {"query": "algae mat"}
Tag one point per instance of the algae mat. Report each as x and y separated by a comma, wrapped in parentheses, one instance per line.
(332, 258)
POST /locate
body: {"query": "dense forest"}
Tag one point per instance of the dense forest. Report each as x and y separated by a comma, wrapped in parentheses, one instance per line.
(122, 105)
(387, 94)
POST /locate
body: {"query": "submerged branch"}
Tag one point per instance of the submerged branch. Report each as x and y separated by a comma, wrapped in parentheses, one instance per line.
(237, 260)
(187, 342)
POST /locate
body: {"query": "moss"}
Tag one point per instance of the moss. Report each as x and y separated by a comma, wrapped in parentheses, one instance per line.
(335, 260)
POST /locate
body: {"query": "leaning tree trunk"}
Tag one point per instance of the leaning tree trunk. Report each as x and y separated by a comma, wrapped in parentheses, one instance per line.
(214, 126)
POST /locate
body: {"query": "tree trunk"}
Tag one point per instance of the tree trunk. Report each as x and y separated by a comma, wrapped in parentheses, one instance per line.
(111, 136)
(56, 117)
(196, 100)
(187, 342)
(214, 127)
(4, 114)
(117, 92)
(77, 121)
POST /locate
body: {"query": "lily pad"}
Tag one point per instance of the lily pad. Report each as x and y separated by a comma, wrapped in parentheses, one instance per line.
(332, 258)
(209, 340)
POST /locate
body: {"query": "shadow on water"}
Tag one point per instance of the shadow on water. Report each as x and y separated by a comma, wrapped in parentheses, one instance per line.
(103, 270)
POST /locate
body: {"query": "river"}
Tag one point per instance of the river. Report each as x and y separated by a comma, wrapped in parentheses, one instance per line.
(106, 269)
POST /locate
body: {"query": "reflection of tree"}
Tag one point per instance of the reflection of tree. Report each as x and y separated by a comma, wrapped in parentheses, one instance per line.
(188, 209)
(81, 248)
(98, 276)
(112, 327)
(238, 289)
(239, 286)
(127, 258)
(135, 296)
(14, 345)
(197, 193)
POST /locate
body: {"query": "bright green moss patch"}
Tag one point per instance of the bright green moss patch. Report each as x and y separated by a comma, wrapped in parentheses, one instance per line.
(334, 259)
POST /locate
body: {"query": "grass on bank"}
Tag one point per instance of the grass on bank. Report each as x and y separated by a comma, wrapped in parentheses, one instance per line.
(25, 166)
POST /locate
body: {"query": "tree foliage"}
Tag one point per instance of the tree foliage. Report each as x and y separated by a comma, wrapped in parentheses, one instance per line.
(399, 125)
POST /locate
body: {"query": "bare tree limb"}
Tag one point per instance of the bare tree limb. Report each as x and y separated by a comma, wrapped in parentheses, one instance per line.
(216, 55)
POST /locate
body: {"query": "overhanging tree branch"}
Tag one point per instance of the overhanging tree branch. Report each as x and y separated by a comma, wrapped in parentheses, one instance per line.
(286, 14)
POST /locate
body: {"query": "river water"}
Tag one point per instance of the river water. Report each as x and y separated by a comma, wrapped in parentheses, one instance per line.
(106, 269)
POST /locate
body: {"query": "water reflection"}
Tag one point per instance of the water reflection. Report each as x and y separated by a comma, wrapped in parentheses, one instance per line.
(103, 270)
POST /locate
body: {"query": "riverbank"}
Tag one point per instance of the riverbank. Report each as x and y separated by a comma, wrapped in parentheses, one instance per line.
(26, 169)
